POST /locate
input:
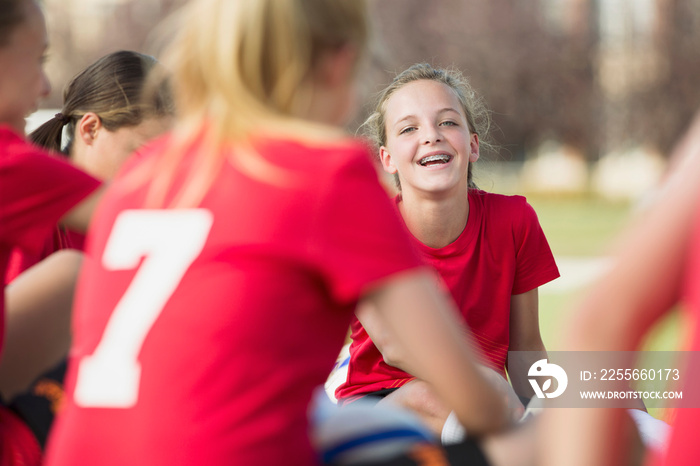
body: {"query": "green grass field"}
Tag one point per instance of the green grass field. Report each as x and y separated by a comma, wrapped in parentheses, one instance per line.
(575, 227)
(581, 227)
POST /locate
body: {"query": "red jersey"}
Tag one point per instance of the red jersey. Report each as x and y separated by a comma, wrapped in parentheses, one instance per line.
(18, 445)
(200, 334)
(683, 447)
(501, 252)
(60, 239)
(36, 190)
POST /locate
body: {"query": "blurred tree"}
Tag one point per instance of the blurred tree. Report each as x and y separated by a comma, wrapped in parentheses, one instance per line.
(664, 112)
(597, 75)
(537, 79)
(81, 31)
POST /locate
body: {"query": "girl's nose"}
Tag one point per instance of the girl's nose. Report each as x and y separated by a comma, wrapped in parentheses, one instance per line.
(431, 136)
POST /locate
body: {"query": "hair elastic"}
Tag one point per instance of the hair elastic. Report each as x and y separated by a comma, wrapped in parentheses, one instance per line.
(64, 119)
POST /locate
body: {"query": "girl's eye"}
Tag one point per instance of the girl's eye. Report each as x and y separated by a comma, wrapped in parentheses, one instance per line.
(407, 130)
(448, 123)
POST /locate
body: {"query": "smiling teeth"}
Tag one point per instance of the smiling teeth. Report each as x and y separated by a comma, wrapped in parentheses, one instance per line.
(434, 158)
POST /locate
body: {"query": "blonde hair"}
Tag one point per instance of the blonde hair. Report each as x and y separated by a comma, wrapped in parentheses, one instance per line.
(237, 64)
(478, 116)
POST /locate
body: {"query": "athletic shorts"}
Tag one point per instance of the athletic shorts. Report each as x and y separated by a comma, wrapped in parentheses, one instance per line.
(462, 454)
(38, 406)
(371, 396)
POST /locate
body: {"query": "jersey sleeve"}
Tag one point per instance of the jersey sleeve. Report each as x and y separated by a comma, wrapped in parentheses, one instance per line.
(535, 263)
(357, 237)
(36, 190)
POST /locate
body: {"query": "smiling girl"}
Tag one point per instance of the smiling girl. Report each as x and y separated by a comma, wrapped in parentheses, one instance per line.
(488, 249)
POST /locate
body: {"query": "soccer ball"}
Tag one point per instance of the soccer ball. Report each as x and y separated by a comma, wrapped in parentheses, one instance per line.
(363, 431)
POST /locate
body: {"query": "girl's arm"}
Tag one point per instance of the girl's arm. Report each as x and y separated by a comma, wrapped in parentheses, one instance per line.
(38, 315)
(643, 284)
(78, 218)
(422, 334)
(382, 337)
(524, 336)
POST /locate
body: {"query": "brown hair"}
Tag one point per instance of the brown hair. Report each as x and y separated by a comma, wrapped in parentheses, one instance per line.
(113, 88)
(12, 14)
(478, 116)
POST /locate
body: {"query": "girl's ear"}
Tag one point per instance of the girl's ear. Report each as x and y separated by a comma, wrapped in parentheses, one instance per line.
(88, 127)
(474, 148)
(387, 162)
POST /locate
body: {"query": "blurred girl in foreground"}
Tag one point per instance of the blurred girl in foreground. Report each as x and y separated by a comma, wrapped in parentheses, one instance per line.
(36, 190)
(225, 267)
(106, 121)
(656, 267)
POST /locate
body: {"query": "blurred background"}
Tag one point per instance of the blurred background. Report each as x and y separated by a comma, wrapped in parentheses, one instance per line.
(587, 95)
(588, 98)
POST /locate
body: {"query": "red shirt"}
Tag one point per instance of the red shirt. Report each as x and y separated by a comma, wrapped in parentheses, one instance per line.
(683, 447)
(36, 190)
(18, 445)
(246, 326)
(60, 239)
(501, 252)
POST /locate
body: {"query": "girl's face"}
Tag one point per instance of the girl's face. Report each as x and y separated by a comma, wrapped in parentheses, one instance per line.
(428, 142)
(105, 152)
(23, 82)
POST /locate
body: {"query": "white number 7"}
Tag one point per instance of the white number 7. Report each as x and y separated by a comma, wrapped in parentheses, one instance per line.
(168, 241)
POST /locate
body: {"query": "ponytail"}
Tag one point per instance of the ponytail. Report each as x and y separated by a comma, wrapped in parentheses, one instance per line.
(49, 135)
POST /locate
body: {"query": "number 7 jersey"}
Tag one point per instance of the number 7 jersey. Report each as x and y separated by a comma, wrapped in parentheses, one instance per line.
(200, 333)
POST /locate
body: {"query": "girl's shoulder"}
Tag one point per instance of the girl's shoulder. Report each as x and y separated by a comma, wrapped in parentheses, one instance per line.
(7, 134)
(499, 202)
(13, 144)
(320, 152)
(511, 212)
(319, 159)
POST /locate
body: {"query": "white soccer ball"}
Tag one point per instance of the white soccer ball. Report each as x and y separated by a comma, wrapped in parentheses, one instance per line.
(363, 431)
